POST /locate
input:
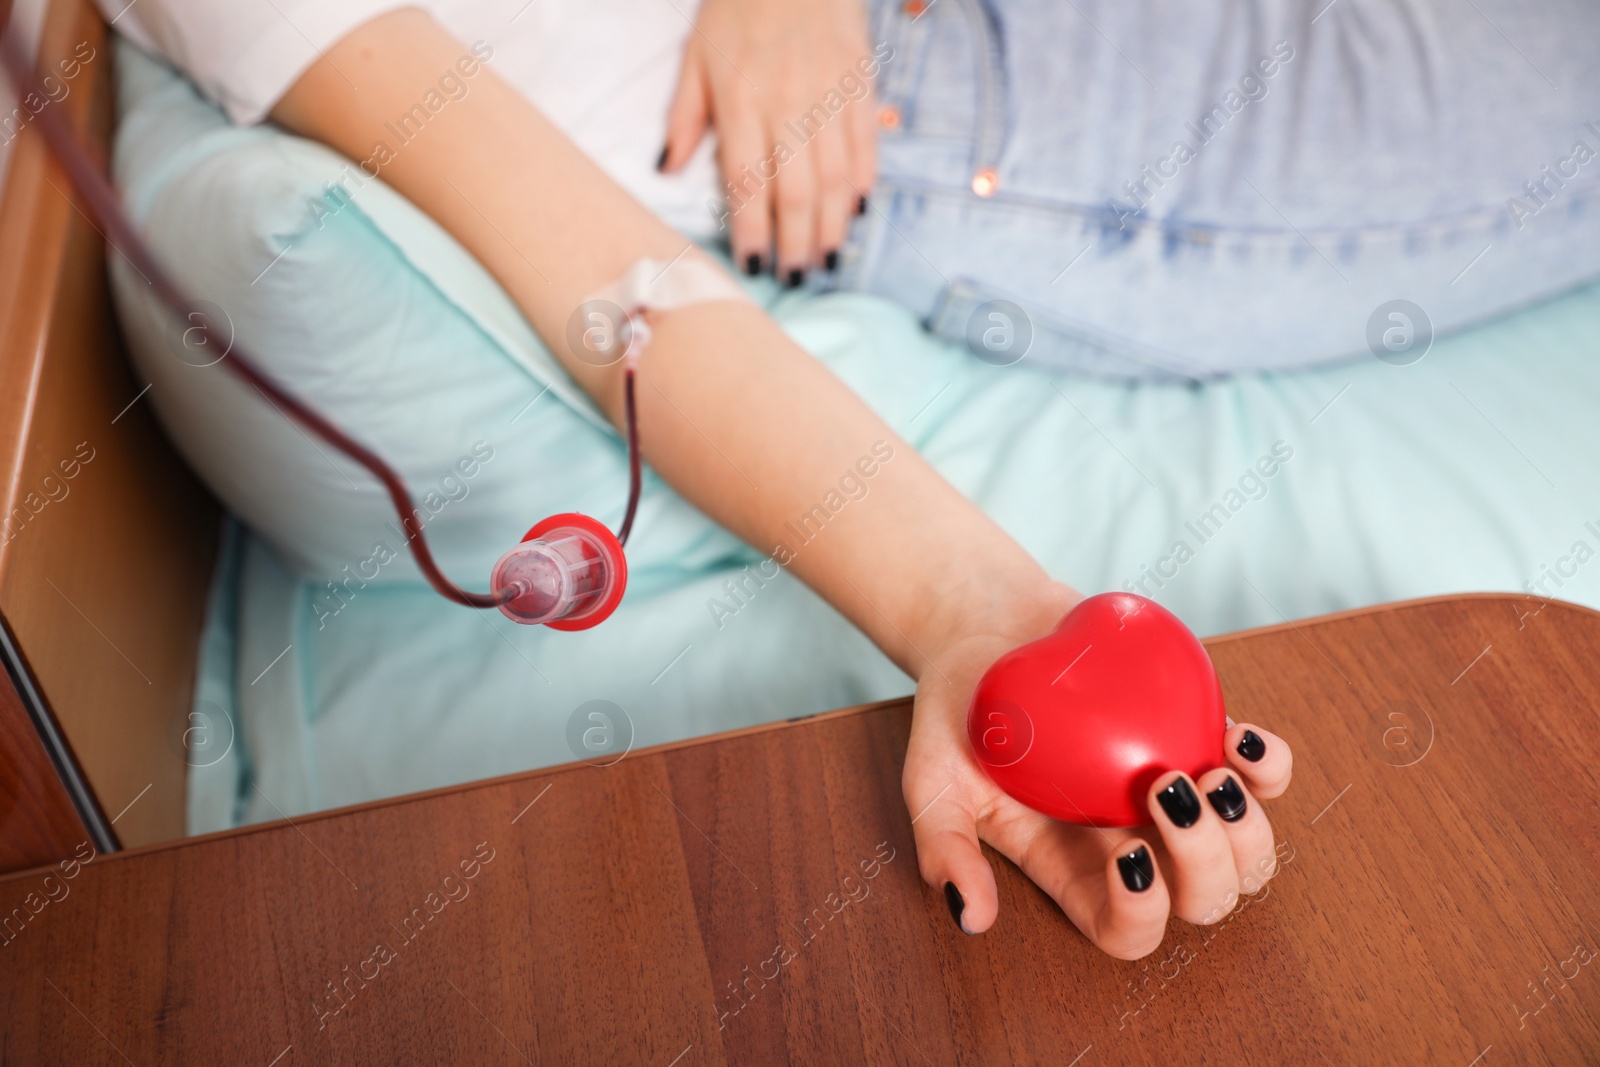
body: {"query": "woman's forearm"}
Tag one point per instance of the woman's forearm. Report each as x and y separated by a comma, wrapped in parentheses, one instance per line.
(733, 414)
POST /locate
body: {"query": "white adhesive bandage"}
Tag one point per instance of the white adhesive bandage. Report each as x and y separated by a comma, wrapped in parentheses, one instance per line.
(651, 285)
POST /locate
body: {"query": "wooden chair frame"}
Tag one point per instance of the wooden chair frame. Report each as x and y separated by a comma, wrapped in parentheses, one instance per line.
(107, 540)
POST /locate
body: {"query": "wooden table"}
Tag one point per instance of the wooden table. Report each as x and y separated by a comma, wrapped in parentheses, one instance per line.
(1438, 904)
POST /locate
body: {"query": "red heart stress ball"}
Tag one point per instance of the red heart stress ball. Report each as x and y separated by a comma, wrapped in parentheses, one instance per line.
(1079, 724)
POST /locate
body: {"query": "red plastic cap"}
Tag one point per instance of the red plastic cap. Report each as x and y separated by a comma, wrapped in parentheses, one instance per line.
(616, 566)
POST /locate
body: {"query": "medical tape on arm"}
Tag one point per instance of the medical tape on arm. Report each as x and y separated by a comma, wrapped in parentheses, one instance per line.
(652, 285)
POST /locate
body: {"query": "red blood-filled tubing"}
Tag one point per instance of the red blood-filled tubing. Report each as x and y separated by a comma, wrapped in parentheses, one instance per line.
(571, 610)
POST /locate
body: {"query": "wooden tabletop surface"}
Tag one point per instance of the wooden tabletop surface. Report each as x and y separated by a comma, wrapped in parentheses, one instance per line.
(1439, 899)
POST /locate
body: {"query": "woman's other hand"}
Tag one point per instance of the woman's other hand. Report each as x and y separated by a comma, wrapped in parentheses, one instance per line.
(784, 85)
(1210, 840)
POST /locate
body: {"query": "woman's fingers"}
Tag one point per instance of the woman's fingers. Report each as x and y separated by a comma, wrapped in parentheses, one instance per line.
(741, 142)
(1261, 757)
(950, 859)
(689, 116)
(798, 155)
(1245, 822)
(1108, 884)
(1133, 919)
(794, 210)
(861, 134)
(1204, 879)
(830, 150)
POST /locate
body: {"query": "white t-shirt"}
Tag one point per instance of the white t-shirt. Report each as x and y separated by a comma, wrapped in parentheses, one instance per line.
(602, 70)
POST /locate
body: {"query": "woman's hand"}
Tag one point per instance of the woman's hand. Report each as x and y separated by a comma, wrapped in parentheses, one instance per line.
(797, 143)
(1117, 886)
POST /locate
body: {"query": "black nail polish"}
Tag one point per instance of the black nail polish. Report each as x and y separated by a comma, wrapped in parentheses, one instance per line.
(1228, 800)
(830, 262)
(1180, 803)
(952, 897)
(861, 206)
(1251, 747)
(752, 264)
(1137, 869)
(661, 164)
(796, 276)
